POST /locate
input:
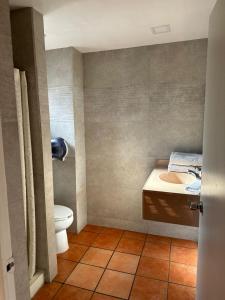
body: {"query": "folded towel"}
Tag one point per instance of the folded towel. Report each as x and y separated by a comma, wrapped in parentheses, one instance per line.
(194, 187)
(180, 169)
(186, 159)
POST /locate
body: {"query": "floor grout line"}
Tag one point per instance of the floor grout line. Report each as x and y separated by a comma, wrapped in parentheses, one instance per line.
(107, 265)
(112, 254)
(137, 266)
(169, 271)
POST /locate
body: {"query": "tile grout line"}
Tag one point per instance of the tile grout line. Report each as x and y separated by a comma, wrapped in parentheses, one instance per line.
(169, 270)
(135, 274)
(69, 274)
(107, 266)
(77, 262)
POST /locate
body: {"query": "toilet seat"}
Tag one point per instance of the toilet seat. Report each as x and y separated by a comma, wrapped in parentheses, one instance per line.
(62, 213)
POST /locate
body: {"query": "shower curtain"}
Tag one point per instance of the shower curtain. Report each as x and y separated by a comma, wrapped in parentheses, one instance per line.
(26, 166)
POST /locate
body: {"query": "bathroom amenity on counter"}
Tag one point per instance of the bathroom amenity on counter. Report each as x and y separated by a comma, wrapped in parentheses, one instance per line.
(190, 163)
(183, 162)
(166, 197)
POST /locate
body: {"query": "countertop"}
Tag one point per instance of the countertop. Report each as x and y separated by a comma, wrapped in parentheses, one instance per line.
(154, 183)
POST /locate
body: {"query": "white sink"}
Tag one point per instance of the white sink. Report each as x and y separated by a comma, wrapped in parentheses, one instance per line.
(177, 178)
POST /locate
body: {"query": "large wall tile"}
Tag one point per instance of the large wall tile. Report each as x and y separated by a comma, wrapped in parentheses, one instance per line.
(125, 103)
(140, 225)
(60, 67)
(81, 208)
(118, 138)
(116, 68)
(118, 171)
(80, 152)
(115, 202)
(140, 105)
(66, 101)
(65, 182)
(180, 62)
(61, 103)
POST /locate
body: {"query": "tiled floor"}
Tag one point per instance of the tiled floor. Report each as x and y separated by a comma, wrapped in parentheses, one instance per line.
(106, 264)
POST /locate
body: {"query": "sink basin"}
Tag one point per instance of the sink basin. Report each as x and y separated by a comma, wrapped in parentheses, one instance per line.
(177, 178)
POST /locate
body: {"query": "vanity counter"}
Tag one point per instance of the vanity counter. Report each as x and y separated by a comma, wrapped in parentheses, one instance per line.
(166, 200)
(154, 183)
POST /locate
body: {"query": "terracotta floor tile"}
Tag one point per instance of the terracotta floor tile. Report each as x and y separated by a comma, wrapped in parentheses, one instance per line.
(65, 267)
(84, 238)
(180, 292)
(157, 250)
(186, 256)
(85, 276)
(184, 243)
(70, 236)
(130, 246)
(94, 228)
(74, 253)
(97, 257)
(106, 241)
(148, 289)
(97, 296)
(182, 274)
(134, 235)
(48, 291)
(68, 292)
(158, 238)
(154, 268)
(113, 232)
(124, 262)
(115, 284)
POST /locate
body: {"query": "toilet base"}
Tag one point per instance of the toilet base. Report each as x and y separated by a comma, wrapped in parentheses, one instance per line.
(61, 241)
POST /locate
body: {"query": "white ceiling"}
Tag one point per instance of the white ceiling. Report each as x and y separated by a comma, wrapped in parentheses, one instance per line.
(95, 25)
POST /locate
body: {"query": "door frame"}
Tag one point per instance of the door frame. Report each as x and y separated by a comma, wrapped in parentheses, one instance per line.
(7, 282)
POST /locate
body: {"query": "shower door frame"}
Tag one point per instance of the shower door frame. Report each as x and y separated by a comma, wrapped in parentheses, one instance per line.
(7, 282)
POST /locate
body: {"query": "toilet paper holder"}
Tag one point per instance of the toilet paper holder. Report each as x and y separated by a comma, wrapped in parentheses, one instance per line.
(59, 149)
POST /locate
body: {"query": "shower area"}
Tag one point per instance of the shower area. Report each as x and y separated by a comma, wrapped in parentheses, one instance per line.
(33, 130)
(26, 167)
(35, 276)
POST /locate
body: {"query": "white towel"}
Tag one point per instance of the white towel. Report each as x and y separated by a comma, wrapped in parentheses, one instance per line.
(194, 187)
(186, 159)
(180, 169)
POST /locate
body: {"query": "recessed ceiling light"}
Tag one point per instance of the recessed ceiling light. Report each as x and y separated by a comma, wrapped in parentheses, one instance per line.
(161, 29)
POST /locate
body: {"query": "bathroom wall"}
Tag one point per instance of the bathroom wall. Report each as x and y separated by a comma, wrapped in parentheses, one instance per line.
(29, 55)
(140, 105)
(65, 89)
(12, 156)
(80, 154)
(60, 93)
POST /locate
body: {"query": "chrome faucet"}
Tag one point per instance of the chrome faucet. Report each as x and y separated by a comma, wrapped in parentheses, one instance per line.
(196, 171)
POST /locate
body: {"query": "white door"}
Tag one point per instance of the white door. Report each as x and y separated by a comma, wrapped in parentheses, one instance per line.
(7, 285)
(211, 266)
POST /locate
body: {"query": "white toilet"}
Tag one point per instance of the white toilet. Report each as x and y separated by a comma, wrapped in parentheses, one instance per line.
(63, 218)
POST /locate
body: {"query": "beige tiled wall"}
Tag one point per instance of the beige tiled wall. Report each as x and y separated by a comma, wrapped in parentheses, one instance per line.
(140, 105)
(80, 155)
(60, 92)
(65, 88)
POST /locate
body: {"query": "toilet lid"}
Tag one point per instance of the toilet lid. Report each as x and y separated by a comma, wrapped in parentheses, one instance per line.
(62, 212)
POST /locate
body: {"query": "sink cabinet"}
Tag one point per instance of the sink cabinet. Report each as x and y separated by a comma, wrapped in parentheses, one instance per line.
(170, 208)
